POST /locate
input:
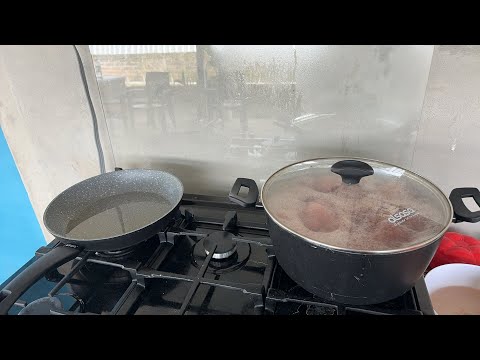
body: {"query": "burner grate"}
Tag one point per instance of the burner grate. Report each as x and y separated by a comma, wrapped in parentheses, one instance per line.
(171, 275)
(149, 272)
(286, 297)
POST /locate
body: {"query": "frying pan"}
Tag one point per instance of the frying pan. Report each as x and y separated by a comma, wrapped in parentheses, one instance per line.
(111, 211)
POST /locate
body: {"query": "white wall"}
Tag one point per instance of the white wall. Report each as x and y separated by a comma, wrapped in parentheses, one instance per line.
(46, 120)
(448, 143)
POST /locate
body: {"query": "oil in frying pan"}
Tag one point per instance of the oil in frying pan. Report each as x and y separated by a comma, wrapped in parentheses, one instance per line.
(117, 215)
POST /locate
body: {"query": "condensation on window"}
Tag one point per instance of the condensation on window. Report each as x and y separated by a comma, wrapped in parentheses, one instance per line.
(212, 113)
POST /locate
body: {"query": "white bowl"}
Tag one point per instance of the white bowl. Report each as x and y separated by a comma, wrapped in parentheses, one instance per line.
(453, 275)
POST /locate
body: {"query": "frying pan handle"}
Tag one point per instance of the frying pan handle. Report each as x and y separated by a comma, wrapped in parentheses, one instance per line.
(351, 171)
(460, 211)
(51, 260)
(250, 199)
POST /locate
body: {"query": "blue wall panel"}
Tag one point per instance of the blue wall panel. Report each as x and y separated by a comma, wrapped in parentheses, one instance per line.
(20, 233)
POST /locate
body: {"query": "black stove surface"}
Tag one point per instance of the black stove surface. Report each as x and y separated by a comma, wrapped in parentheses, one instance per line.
(216, 258)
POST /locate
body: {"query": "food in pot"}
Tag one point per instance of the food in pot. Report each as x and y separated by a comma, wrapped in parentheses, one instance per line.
(391, 235)
(418, 223)
(317, 217)
(325, 184)
(351, 216)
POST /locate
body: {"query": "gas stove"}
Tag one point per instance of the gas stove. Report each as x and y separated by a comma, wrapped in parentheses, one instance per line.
(216, 258)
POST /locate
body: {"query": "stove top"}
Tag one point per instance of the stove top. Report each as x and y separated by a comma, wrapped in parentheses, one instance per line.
(216, 258)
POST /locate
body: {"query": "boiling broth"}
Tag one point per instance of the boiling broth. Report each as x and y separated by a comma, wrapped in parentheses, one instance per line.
(351, 217)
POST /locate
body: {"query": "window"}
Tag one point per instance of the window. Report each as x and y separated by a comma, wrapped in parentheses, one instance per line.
(211, 113)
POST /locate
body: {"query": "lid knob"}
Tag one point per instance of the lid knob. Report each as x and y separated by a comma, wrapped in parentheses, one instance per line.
(351, 171)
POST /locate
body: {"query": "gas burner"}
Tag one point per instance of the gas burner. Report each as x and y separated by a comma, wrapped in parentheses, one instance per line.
(108, 275)
(42, 306)
(124, 253)
(117, 254)
(235, 255)
(226, 247)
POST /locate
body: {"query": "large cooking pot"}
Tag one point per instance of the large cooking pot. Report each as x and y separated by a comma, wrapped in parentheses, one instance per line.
(353, 230)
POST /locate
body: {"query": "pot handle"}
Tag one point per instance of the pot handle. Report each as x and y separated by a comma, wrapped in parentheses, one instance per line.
(22, 282)
(460, 211)
(351, 171)
(246, 201)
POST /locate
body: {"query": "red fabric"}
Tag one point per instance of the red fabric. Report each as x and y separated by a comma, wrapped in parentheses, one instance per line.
(457, 248)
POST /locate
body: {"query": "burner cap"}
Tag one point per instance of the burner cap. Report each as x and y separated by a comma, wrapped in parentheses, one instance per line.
(226, 247)
(42, 306)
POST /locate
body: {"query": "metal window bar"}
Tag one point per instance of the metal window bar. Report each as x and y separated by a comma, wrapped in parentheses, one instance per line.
(140, 49)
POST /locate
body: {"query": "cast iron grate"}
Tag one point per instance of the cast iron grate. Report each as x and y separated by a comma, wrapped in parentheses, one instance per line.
(167, 240)
(273, 293)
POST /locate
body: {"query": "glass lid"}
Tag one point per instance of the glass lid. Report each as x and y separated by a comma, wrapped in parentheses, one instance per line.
(357, 205)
